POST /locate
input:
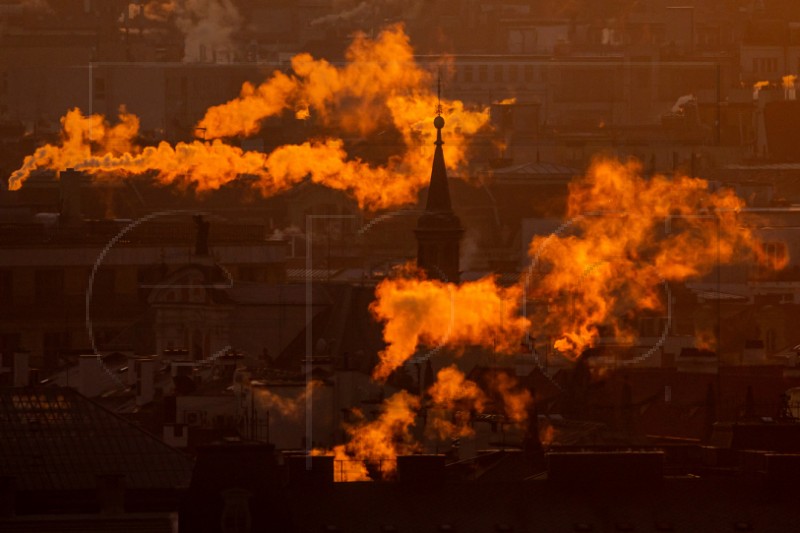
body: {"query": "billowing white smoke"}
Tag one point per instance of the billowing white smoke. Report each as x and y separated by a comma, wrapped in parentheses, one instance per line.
(360, 10)
(354, 10)
(682, 102)
(208, 26)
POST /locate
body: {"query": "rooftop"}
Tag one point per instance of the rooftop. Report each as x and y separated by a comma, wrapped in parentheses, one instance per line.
(54, 439)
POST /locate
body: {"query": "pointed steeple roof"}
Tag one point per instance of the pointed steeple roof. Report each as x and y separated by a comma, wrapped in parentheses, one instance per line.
(439, 190)
(438, 229)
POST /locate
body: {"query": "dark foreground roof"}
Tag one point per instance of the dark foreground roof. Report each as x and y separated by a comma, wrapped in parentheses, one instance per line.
(582, 490)
(678, 505)
(54, 439)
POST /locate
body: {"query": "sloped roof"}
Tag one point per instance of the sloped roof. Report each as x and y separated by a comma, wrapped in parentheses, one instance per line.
(535, 170)
(347, 326)
(438, 190)
(56, 439)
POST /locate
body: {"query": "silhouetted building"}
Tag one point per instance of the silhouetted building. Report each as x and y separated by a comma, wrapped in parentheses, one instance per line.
(439, 229)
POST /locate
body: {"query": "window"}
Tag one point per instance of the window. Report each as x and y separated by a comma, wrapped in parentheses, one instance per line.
(49, 286)
(528, 73)
(103, 286)
(53, 343)
(775, 252)
(513, 73)
(6, 288)
(146, 277)
(99, 88)
(765, 65)
(498, 73)
(587, 85)
(468, 73)
(483, 73)
(9, 343)
(640, 73)
(641, 78)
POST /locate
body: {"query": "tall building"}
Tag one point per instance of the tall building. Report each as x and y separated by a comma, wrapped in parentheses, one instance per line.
(439, 230)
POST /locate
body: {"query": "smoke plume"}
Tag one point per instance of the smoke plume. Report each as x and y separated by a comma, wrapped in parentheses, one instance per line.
(379, 87)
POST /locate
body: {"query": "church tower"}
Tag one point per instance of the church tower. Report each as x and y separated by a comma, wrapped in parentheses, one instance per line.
(438, 229)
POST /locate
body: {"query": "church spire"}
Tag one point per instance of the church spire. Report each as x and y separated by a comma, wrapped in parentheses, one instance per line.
(439, 190)
(438, 228)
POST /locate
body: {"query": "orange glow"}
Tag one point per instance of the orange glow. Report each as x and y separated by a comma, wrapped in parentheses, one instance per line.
(516, 400)
(757, 86)
(616, 259)
(453, 388)
(159, 10)
(345, 468)
(452, 392)
(288, 406)
(430, 312)
(705, 339)
(380, 88)
(376, 444)
(547, 435)
(789, 89)
(302, 113)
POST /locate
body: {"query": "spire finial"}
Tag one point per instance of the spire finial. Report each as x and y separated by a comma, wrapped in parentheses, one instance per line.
(438, 122)
(439, 93)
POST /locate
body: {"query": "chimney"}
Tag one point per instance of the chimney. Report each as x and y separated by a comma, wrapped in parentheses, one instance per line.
(21, 369)
(91, 375)
(320, 473)
(753, 352)
(145, 383)
(70, 186)
(789, 87)
(111, 493)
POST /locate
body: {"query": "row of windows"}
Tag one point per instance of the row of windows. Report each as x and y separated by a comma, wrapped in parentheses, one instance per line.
(49, 284)
(765, 65)
(500, 73)
(772, 66)
(583, 81)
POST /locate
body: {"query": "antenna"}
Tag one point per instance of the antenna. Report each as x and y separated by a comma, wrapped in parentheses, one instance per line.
(439, 93)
